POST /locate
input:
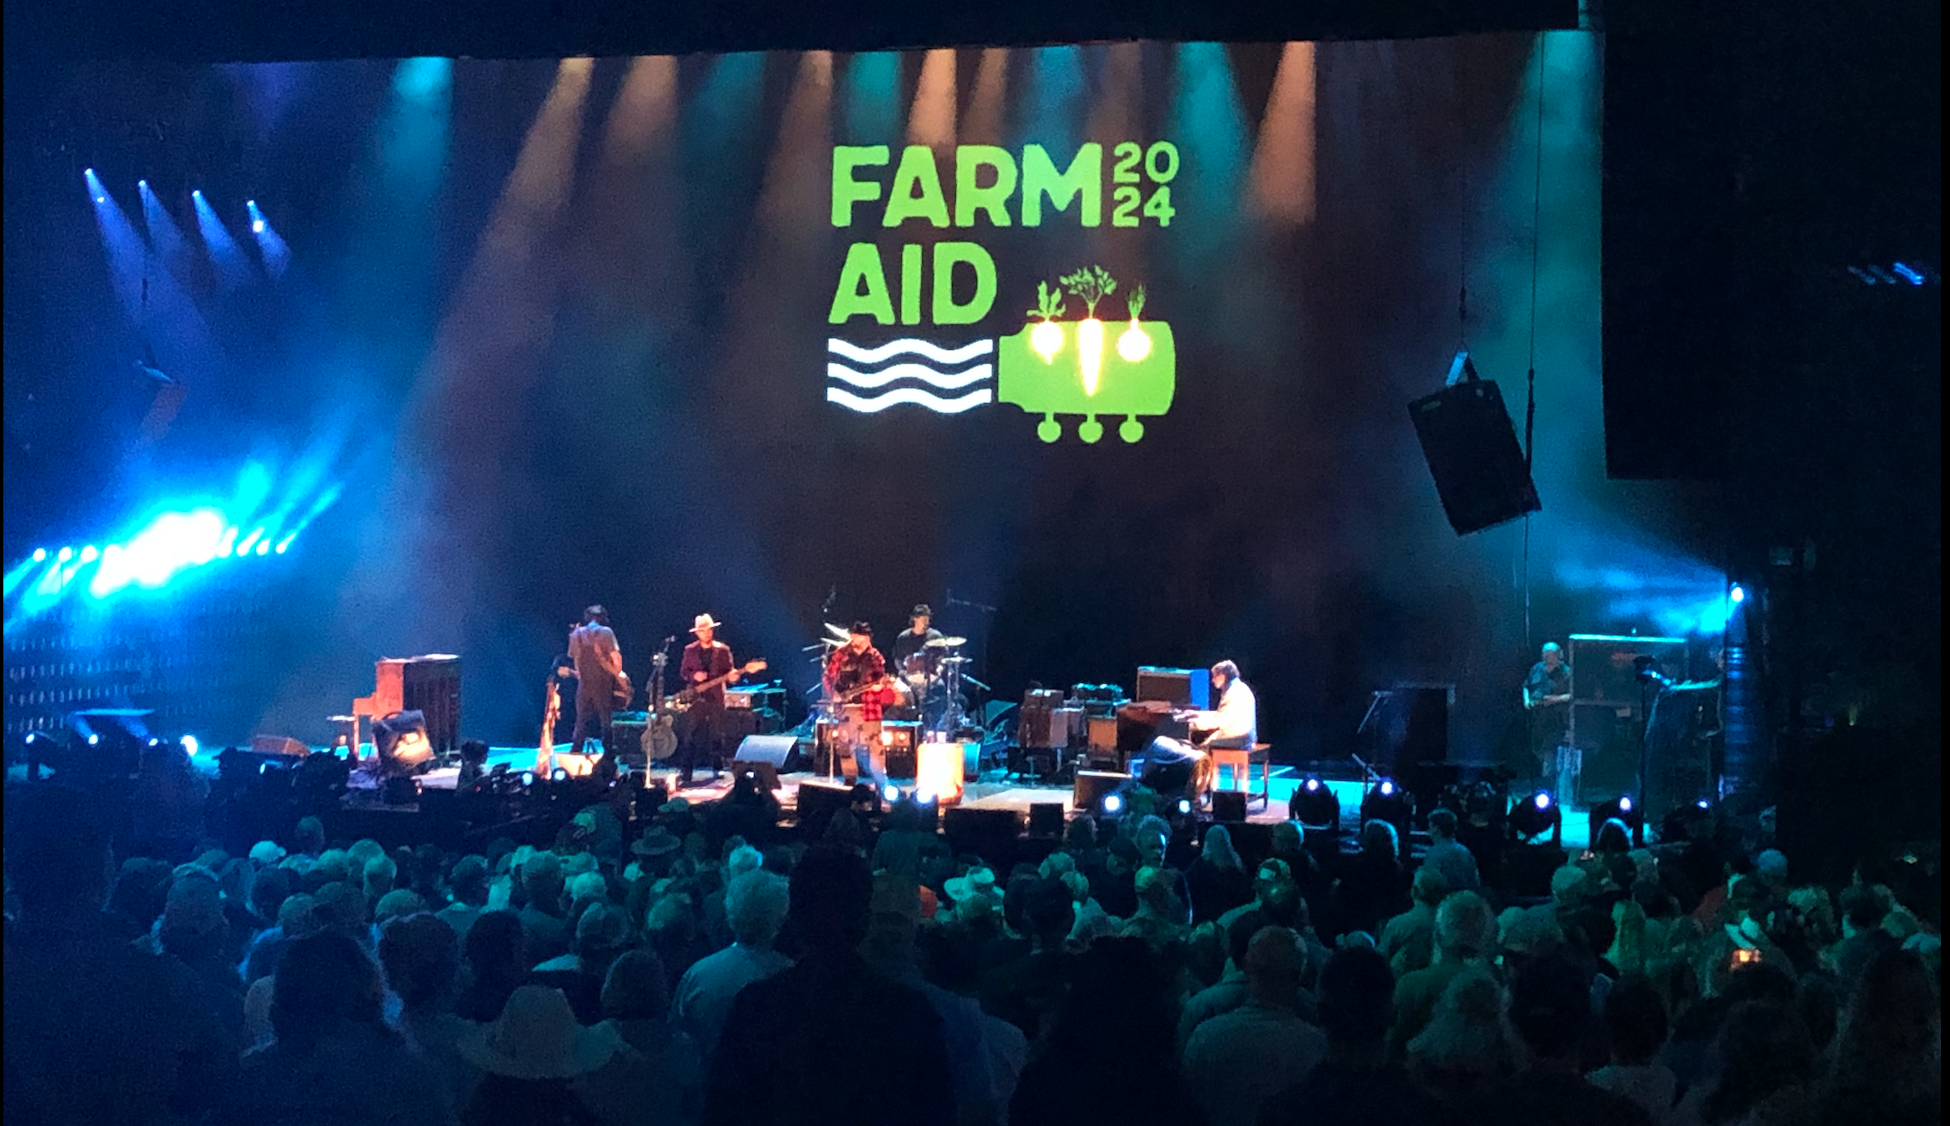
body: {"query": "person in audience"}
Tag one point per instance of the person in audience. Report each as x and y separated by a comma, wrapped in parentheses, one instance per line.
(334, 1059)
(755, 908)
(1549, 1007)
(1887, 1068)
(397, 904)
(1465, 932)
(1863, 908)
(97, 1030)
(656, 1078)
(1025, 991)
(1115, 884)
(422, 965)
(1356, 1084)
(1217, 881)
(192, 932)
(1119, 1008)
(1463, 1052)
(297, 917)
(1230, 991)
(497, 962)
(985, 1052)
(1448, 856)
(740, 858)
(1236, 1060)
(543, 918)
(530, 1059)
(1408, 939)
(602, 935)
(468, 885)
(1635, 1024)
(1765, 1058)
(1160, 917)
(1372, 885)
(793, 1026)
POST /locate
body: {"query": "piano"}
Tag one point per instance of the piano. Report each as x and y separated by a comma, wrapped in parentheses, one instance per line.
(429, 684)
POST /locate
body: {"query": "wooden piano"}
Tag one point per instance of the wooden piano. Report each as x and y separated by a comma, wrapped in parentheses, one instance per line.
(429, 684)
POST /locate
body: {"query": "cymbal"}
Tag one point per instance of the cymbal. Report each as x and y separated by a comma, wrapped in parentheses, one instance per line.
(947, 642)
(836, 631)
(955, 660)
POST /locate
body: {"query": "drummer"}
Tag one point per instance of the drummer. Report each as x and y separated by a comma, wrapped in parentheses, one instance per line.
(913, 656)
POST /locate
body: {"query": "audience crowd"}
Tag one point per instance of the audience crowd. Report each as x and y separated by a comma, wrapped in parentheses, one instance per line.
(717, 969)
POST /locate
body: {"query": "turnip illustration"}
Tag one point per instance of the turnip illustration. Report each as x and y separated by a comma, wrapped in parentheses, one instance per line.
(1093, 284)
(1133, 344)
(1047, 337)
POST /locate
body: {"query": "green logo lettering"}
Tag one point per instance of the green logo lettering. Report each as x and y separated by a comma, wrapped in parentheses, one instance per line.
(863, 287)
(1084, 178)
(846, 190)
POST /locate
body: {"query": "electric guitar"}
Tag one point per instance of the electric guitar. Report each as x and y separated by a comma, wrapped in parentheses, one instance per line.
(659, 739)
(689, 694)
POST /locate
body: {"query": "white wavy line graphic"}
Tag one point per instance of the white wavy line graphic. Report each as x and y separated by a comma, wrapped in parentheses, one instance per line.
(940, 380)
(877, 403)
(947, 357)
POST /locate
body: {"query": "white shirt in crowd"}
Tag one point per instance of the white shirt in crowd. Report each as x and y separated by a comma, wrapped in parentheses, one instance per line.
(703, 997)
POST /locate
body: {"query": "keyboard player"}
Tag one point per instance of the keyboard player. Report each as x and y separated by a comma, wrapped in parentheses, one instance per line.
(1170, 765)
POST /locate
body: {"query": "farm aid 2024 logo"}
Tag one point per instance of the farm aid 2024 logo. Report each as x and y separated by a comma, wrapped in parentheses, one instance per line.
(1071, 357)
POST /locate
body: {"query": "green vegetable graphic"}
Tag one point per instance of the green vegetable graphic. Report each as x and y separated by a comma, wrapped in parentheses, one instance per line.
(1140, 379)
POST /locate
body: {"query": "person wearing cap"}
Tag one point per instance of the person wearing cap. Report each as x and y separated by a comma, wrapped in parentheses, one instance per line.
(530, 1058)
(707, 658)
(858, 668)
(913, 659)
(599, 675)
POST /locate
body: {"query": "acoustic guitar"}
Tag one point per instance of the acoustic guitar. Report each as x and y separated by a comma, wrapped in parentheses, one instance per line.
(659, 738)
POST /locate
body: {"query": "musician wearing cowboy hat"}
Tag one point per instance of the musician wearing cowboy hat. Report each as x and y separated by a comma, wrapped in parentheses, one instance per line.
(707, 658)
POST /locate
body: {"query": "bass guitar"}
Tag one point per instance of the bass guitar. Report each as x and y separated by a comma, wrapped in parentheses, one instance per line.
(689, 694)
(659, 738)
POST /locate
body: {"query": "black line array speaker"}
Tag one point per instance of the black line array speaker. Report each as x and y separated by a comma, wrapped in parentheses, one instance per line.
(1473, 455)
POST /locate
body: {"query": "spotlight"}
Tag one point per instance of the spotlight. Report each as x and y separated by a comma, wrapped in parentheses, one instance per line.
(1315, 806)
(527, 778)
(924, 797)
(890, 793)
(1388, 802)
(1737, 595)
(257, 226)
(1621, 808)
(1184, 807)
(143, 184)
(559, 774)
(1536, 815)
(94, 740)
(1113, 804)
(190, 745)
(40, 555)
(155, 741)
(196, 193)
(64, 555)
(1703, 804)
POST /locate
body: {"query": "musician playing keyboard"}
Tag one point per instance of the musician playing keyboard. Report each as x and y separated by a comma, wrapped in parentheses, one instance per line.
(1170, 764)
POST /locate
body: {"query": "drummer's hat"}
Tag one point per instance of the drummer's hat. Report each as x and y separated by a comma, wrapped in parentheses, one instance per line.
(703, 622)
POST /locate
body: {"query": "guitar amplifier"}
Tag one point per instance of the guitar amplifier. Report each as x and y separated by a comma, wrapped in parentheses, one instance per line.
(626, 732)
(1182, 688)
(1044, 728)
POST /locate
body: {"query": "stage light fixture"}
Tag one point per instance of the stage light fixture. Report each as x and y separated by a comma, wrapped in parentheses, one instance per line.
(1535, 815)
(399, 741)
(1184, 807)
(1621, 808)
(1387, 801)
(559, 774)
(40, 555)
(89, 553)
(1314, 805)
(190, 745)
(890, 793)
(64, 555)
(94, 740)
(527, 779)
(1737, 595)
(1112, 805)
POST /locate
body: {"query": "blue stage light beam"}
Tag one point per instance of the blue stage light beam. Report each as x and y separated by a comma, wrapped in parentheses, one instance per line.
(872, 106)
(121, 242)
(165, 237)
(271, 248)
(232, 265)
(1208, 123)
(1054, 110)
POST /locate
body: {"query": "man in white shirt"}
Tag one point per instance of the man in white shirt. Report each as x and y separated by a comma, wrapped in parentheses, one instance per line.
(1169, 764)
(1236, 1060)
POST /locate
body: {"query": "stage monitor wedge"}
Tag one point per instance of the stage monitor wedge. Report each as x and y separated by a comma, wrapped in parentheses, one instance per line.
(1473, 455)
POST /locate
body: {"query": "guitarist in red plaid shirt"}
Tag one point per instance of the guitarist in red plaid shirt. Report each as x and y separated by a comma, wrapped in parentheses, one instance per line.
(857, 673)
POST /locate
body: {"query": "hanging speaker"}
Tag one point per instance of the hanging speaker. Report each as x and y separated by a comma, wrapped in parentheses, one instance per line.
(1472, 452)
